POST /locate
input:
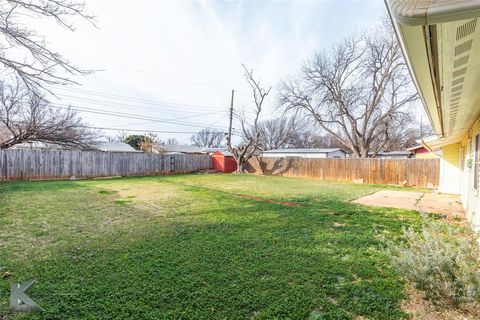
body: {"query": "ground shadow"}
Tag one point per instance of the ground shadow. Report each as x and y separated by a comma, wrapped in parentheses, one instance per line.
(265, 167)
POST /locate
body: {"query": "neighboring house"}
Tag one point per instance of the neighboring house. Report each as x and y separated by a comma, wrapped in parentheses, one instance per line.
(305, 153)
(115, 147)
(178, 149)
(441, 43)
(420, 152)
(211, 151)
(394, 155)
(101, 146)
(38, 145)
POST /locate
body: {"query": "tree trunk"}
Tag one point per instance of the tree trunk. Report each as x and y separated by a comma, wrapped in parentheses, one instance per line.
(240, 166)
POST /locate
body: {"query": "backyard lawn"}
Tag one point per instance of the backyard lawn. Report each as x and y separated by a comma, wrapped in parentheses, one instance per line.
(199, 247)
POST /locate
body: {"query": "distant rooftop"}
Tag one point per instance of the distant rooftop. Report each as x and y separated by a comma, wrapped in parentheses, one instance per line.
(208, 150)
(115, 147)
(395, 152)
(38, 145)
(180, 148)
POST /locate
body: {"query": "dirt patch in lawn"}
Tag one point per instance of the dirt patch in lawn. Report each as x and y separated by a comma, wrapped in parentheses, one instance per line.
(421, 309)
(283, 203)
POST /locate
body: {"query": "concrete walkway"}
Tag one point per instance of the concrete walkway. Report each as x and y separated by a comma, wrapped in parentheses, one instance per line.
(445, 204)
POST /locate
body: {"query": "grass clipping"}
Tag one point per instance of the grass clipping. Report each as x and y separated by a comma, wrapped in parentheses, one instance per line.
(441, 262)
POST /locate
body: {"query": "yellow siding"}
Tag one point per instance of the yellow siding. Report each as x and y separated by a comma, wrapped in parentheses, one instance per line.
(428, 155)
(469, 196)
(450, 169)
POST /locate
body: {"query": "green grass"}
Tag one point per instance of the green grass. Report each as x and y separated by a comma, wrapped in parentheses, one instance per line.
(195, 247)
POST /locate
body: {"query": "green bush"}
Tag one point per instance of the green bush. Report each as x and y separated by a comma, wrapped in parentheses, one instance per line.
(440, 261)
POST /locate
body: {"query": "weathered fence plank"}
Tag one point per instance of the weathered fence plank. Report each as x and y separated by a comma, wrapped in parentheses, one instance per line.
(409, 172)
(65, 164)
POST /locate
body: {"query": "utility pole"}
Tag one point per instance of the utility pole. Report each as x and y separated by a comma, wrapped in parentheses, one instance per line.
(421, 126)
(229, 138)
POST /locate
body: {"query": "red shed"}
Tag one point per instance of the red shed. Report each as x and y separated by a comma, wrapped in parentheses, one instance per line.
(224, 162)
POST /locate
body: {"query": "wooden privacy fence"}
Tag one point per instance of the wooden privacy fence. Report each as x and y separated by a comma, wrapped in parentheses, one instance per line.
(66, 164)
(409, 172)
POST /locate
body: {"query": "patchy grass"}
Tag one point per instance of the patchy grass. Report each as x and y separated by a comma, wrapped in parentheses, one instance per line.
(195, 247)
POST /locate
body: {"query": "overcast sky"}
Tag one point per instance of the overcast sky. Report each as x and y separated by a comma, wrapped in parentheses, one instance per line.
(177, 61)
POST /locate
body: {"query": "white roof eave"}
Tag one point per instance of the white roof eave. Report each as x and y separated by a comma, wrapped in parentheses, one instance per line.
(409, 12)
(412, 20)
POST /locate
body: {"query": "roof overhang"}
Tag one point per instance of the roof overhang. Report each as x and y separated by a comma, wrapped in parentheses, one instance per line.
(434, 143)
(429, 12)
(441, 43)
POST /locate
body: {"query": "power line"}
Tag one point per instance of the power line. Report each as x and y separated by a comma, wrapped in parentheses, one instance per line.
(133, 116)
(133, 99)
(146, 131)
(173, 109)
(130, 114)
(140, 130)
(123, 67)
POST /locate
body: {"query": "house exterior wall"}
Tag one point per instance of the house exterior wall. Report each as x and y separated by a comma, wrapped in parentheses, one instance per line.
(428, 155)
(422, 153)
(294, 155)
(450, 169)
(457, 174)
(469, 195)
(334, 154)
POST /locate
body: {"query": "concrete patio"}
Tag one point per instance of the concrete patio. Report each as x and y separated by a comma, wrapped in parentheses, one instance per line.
(447, 205)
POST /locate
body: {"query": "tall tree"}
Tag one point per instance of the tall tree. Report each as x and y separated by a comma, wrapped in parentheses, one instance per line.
(172, 142)
(25, 115)
(250, 128)
(24, 54)
(278, 132)
(150, 142)
(208, 138)
(358, 92)
(309, 139)
(136, 140)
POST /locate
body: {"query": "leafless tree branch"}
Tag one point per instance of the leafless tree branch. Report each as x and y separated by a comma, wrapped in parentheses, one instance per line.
(25, 115)
(208, 138)
(24, 54)
(250, 129)
(358, 92)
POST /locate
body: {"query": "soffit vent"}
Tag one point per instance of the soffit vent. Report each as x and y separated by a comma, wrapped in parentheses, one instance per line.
(460, 65)
(466, 29)
(457, 88)
(460, 62)
(456, 94)
(454, 99)
(457, 81)
(459, 72)
(463, 47)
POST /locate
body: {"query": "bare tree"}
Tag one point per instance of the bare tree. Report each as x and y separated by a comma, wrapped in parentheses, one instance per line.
(405, 136)
(358, 92)
(24, 54)
(208, 138)
(278, 132)
(25, 115)
(172, 142)
(309, 138)
(250, 129)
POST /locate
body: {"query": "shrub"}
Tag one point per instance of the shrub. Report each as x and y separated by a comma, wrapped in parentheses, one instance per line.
(439, 261)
